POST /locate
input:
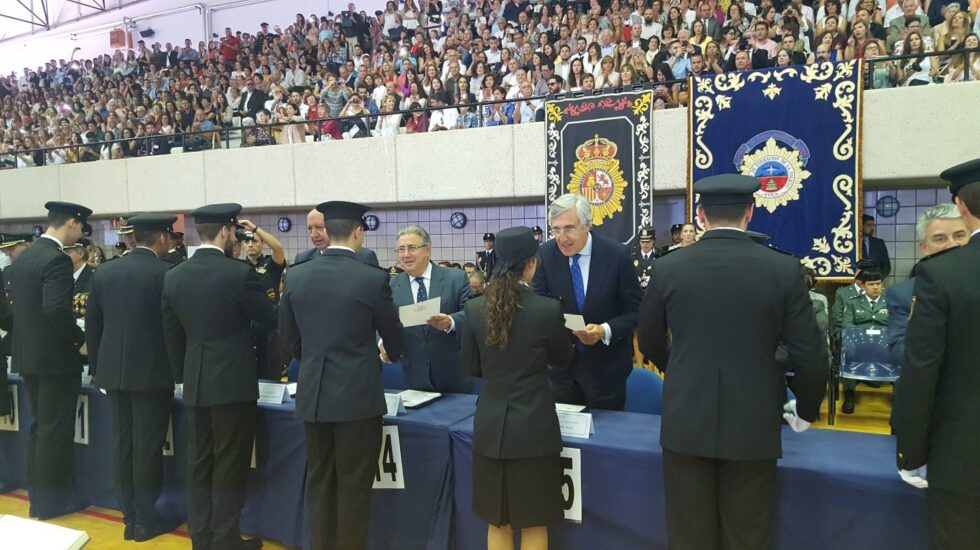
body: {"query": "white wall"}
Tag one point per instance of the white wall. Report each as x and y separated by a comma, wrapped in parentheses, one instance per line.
(487, 165)
(194, 18)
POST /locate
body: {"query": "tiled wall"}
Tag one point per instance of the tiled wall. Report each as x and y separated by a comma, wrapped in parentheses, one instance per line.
(461, 245)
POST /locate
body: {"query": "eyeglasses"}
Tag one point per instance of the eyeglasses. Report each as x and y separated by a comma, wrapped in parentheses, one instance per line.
(566, 230)
(411, 249)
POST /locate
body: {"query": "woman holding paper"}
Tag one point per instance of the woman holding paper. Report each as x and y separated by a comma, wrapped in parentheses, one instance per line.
(511, 337)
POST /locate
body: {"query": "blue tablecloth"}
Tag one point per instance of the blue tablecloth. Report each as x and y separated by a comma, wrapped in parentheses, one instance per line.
(835, 488)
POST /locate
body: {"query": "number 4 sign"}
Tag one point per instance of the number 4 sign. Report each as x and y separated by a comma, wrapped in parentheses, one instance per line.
(571, 483)
(390, 474)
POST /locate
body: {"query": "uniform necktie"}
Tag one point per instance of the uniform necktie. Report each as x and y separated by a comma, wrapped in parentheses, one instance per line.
(578, 284)
(420, 297)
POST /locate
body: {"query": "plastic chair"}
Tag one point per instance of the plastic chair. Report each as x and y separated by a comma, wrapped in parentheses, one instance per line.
(644, 392)
(864, 356)
(393, 376)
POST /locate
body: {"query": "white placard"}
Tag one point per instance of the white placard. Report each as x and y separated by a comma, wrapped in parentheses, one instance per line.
(568, 407)
(271, 393)
(11, 422)
(574, 322)
(873, 332)
(417, 398)
(18, 532)
(571, 483)
(168, 443)
(178, 390)
(291, 389)
(389, 474)
(86, 377)
(575, 424)
(81, 420)
(394, 403)
(418, 314)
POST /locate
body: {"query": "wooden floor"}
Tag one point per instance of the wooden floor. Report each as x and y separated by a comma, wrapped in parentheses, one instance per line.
(105, 527)
(871, 412)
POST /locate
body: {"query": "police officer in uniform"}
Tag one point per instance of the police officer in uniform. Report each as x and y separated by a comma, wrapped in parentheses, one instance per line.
(844, 294)
(723, 391)
(46, 349)
(644, 255)
(209, 303)
(341, 396)
(675, 238)
(12, 245)
(485, 260)
(936, 418)
(178, 253)
(270, 269)
(81, 271)
(538, 234)
(131, 365)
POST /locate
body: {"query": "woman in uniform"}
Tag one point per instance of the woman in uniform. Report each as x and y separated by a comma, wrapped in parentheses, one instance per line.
(511, 338)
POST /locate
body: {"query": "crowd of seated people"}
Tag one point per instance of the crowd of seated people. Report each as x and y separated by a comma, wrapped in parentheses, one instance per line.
(430, 67)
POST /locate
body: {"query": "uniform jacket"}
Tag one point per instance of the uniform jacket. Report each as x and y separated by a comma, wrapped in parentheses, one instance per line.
(365, 254)
(486, 261)
(339, 367)
(642, 267)
(83, 284)
(841, 297)
(515, 415)
(936, 414)
(612, 296)
(124, 325)
(431, 359)
(898, 298)
(858, 312)
(209, 303)
(6, 323)
(727, 302)
(45, 336)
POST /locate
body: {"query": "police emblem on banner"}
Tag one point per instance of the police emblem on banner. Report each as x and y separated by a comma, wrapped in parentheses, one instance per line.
(598, 177)
(599, 147)
(778, 161)
(797, 130)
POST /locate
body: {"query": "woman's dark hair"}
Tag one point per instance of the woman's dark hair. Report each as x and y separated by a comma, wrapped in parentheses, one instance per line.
(503, 299)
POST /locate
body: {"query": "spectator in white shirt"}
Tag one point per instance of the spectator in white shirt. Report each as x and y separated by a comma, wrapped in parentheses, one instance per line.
(294, 76)
(388, 124)
(443, 117)
(527, 109)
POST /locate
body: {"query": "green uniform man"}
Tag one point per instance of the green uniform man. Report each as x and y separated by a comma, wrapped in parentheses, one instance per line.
(866, 310)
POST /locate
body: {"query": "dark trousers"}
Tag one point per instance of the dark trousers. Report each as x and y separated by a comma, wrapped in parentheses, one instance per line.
(139, 431)
(954, 520)
(341, 461)
(50, 476)
(718, 504)
(586, 384)
(219, 451)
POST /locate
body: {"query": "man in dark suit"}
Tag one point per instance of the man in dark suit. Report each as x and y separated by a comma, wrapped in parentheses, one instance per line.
(713, 315)
(485, 259)
(431, 360)
(937, 230)
(872, 247)
(593, 277)
(251, 101)
(128, 358)
(936, 419)
(81, 272)
(341, 397)
(209, 304)
(317, 230)
(46, 348)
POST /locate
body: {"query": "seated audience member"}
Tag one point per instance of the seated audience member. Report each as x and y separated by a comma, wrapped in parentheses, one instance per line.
(867, 311)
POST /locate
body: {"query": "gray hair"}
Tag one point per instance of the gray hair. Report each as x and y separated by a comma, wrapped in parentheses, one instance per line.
(567, 202)
(416, 230)
(938, 212)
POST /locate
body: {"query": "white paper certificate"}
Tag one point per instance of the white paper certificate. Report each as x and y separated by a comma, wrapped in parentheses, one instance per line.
(417, 314)
(574, 322)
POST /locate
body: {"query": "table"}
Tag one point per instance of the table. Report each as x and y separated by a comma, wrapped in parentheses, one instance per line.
(417, 517)
(834, 488)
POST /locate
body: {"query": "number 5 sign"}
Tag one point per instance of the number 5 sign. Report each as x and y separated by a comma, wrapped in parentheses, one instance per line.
(571, 483)
(390, 474)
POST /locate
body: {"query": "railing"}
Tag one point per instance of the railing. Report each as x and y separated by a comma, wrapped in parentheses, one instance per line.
(944, 62)
(238, 135)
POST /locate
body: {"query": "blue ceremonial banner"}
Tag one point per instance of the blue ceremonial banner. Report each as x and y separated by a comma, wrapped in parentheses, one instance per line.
(600, 147)
(797, 130)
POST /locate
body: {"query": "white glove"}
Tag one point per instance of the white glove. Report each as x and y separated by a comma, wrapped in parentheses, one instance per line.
(916, 478)
(792, 418)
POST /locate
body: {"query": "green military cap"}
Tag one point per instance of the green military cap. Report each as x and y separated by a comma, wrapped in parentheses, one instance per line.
(217, 213)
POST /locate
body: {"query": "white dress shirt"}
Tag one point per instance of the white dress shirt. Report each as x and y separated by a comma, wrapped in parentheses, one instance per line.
(61, 245)
(584, 262)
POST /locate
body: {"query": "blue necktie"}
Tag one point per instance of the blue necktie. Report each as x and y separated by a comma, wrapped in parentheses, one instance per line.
(578, 284)
(420, 297)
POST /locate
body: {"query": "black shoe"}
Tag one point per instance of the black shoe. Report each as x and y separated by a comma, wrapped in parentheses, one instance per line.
(848, 406)
(144, 533)
(128, 531)
(70, 508)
